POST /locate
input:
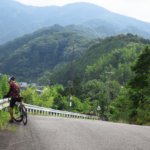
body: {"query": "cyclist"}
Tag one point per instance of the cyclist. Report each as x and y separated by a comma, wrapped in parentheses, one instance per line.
(14, 93)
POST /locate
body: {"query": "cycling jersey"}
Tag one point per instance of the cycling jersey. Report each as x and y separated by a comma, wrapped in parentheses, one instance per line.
(14, 90)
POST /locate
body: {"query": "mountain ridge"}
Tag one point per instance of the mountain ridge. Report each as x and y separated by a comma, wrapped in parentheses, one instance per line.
(33, 54)
(18, 19)
(55, 49)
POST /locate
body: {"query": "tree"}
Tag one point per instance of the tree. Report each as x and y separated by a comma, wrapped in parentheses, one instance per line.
(86, 106)
(76, 104)
(28, 95)
(4, 85)
(60, 103)
(142, 70)
(140, 86)
(119, 109)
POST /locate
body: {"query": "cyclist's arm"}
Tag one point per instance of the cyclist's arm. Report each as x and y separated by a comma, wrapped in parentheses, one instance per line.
(8, 94)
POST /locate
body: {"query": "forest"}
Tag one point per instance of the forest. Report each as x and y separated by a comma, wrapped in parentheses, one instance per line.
(113, 73)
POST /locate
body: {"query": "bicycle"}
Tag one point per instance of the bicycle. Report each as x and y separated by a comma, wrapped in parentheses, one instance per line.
(20, 114)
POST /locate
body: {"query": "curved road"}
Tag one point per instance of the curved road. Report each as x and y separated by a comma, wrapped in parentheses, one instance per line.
(50, 133)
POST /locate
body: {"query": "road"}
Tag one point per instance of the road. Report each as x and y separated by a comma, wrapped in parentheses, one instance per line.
(50, 133)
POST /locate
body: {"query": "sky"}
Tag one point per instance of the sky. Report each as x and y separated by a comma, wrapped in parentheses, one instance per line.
(139, 9)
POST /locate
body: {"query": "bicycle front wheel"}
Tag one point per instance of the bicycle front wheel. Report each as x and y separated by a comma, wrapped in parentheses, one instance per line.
(24, 115)
(17, 115)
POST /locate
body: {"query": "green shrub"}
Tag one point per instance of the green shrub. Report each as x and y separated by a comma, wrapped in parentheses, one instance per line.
(4, 117)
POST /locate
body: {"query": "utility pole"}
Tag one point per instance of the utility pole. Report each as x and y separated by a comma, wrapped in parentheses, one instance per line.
(71, 77)
(98, 111)
(70, 102)
(70, 87)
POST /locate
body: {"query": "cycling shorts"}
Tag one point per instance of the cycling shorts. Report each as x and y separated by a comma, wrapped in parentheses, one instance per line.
(12, 102)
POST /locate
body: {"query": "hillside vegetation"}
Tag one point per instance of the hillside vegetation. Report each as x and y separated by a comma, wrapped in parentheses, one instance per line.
(113, 54)
(112, 73)
(32, 55)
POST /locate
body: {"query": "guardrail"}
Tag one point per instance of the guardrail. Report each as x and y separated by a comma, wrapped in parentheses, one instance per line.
(4, 103)
(32, 109)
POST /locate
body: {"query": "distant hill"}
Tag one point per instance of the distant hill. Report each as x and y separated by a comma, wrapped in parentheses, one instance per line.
(30, 56)
(64, 53)
(18, 19)
(114, 54)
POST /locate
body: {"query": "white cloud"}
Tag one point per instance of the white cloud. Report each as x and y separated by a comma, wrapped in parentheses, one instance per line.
(139, 9)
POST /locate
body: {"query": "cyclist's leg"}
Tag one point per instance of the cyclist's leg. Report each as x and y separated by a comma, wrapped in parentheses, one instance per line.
(12, 104)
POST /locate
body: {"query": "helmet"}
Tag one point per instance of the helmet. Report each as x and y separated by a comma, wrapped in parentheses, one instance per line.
(12, 78)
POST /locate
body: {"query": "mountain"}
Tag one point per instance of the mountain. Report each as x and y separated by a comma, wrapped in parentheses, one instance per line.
(114, 54)
(18, 19)
(64, 53)
(30, 56)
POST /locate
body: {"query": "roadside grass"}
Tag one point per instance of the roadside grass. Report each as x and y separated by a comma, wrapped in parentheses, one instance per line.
(147, 124)
(4, 124)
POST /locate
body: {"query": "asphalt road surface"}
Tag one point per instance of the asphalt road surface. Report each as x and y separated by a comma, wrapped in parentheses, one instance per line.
(50, 133)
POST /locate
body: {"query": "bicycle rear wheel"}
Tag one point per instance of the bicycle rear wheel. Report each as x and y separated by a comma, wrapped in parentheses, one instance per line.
(24, 115)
